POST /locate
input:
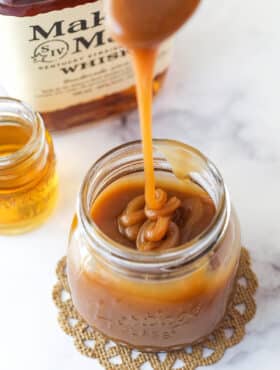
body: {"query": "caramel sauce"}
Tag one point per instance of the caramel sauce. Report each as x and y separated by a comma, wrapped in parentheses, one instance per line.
(151, 314)
(145, 24)
(189, 209)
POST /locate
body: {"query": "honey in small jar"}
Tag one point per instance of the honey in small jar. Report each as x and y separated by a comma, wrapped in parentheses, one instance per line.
(28, 180)
(158, 295)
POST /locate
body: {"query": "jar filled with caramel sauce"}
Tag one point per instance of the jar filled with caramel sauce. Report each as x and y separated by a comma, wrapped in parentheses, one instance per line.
(28, 179)
(156, 299)
(58, 56)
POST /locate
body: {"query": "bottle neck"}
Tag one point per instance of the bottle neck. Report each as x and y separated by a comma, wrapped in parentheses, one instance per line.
(126, 160)
(21, 166)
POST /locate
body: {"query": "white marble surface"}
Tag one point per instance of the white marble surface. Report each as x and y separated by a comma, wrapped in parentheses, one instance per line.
(223, 96)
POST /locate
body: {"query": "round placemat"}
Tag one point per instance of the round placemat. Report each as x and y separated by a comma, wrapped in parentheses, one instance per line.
(91, 343)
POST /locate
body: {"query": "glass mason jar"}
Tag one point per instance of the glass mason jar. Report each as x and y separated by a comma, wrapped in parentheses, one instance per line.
(153, 300)
(28, 180)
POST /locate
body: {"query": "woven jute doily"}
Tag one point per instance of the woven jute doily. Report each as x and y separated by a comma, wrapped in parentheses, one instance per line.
(89, 342)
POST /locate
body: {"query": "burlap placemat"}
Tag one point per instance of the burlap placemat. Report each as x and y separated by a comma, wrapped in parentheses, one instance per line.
(89, 342)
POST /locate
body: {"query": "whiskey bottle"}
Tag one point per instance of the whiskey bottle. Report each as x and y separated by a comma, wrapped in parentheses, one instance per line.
(58, 56)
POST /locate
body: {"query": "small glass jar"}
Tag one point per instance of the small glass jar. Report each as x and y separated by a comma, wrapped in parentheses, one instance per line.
(28, 180)
(153, 301)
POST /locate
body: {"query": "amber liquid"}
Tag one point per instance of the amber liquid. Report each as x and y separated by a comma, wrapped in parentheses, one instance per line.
(27, 194)
(151, 314)
(95, 109)
(196, 212)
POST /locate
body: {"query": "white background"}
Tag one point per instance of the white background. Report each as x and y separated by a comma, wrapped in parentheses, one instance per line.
(223, 96)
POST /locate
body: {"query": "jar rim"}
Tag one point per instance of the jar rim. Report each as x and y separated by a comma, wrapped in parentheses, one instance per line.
(133, 258)
(37, 130)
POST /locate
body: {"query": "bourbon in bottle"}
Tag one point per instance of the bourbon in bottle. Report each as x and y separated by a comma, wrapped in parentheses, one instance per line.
(58, 56)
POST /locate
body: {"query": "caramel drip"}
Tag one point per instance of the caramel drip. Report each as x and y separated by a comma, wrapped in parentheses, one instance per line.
(144, 62)
(151, 225)
(151, 228)
(147, 220)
